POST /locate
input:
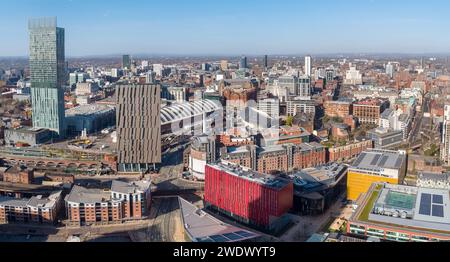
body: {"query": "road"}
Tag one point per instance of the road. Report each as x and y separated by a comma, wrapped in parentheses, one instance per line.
(162, 227)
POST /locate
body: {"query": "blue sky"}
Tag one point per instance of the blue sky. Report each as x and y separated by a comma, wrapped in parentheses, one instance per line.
(101, 27)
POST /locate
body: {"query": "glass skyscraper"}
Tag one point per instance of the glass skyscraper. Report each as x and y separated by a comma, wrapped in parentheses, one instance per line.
(47, 69)
(126, 62)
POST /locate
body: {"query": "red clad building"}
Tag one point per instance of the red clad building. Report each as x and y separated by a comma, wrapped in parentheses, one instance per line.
(247, 196)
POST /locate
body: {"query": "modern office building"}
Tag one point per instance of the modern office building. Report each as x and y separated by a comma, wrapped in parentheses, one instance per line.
(402, 214)
(249, 197)
(304, 87)
(384, 138)
(298, 106)
(316, 189)
(243, 63)
(270, 106)
(266, 62)
(47, 72)
(138, 124)
(375, 166)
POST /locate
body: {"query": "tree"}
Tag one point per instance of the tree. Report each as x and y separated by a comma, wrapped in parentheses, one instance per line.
(289, 120)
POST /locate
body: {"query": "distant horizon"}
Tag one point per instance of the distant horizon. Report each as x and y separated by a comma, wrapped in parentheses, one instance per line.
(149, 55)
(210, 28)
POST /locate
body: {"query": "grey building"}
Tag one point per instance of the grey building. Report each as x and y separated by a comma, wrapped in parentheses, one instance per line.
(385, 139)
(29, 136)
(47, 69)
(138, 127)
(93, 118)
(243, 63)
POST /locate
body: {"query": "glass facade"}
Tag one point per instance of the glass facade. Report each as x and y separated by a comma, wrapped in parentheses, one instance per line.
(47, 69)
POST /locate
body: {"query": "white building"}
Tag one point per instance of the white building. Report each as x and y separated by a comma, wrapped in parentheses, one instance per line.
(390, 70)
(308, 66)
(270, 106)
(86, 89)
(300, 106)
(158, 69)
(396, 121)
(353, 77)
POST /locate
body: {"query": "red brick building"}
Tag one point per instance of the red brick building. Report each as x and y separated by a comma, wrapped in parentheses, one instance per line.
(37, 209)
(247, 196)
(18, 175)
(348, 151)
(340, 109)
(283, 158)
(368, 111)
(125, 201)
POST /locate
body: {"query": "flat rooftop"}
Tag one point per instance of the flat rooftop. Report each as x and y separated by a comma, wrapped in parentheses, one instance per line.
(248, 174)
(377, 160)
(91, 109)
(87, 195)
(405, 206)
(202, 227)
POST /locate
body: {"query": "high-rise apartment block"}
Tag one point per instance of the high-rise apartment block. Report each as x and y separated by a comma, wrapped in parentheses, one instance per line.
(138, 127)
(308, 66)
(47, 69)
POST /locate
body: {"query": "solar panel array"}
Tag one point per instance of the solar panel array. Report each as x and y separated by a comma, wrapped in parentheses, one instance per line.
(229, 237)
(375, 159)
(383, 161)
(431, 205)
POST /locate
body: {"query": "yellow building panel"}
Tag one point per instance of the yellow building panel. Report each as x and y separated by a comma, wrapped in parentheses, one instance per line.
(358, 183)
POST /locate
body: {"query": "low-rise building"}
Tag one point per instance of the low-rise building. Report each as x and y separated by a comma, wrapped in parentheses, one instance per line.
(18, 175)
(368, 111)
(402, 214)
(384, 138)
(25, 136)
(295, 107)
(340, 108)
(347, 152)
(93, 118)
(123, 202)
(374, 166)
(37, 209)
(316, 189)
(433, 180)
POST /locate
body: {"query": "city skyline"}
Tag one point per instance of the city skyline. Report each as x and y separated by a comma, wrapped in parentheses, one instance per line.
(207, 28)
